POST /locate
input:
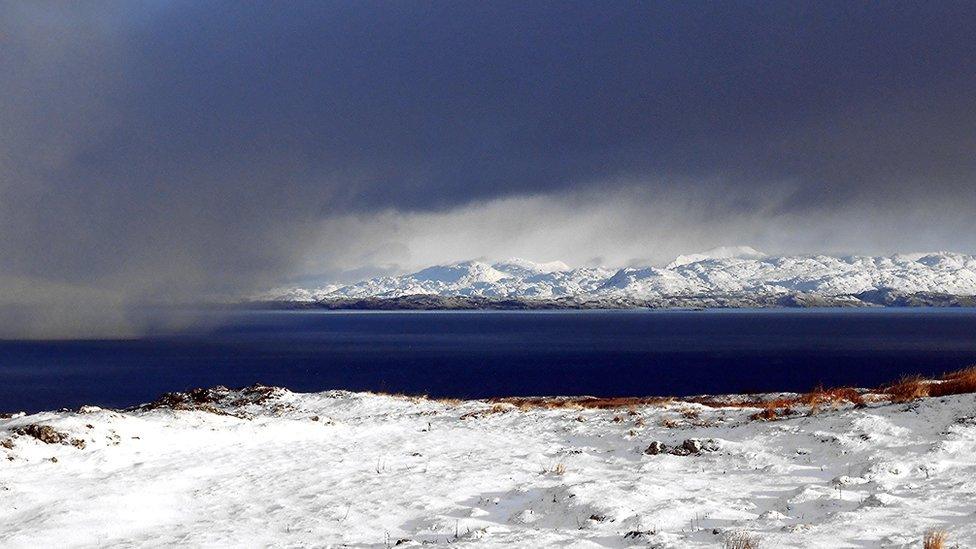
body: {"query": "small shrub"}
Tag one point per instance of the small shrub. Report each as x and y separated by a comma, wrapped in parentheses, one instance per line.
(768, 413)
(955, 383)
(595, 403)
(690, 413)
(43, 433)
(907, 389)
(557, 469)
(742, 540)
(934, 539)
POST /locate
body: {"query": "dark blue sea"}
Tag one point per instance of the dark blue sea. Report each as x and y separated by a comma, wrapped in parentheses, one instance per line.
(485, 354)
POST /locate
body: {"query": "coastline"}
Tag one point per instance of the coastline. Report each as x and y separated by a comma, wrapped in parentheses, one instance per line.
(874, 298)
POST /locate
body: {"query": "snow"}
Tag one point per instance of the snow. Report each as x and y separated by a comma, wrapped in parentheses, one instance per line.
(366, 470)
(722, 252)
(297, 294)
(730, 270)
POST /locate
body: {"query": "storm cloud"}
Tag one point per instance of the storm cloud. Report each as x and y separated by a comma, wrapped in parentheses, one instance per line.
(182, 150)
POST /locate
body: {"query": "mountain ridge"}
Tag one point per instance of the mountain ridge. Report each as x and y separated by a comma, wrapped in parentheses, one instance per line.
(739, 271)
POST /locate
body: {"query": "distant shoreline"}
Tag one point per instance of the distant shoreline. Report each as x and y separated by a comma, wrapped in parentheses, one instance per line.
(873, 298)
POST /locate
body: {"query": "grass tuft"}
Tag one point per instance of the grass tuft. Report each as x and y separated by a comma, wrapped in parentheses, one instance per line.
(955, 383)
(934, 539)
(742, 540)
(907, 389)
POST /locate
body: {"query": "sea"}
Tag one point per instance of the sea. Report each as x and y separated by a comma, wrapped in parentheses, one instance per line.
(478, 354)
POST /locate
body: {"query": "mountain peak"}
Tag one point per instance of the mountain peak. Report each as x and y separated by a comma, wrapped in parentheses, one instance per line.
(467, 271)
(722, 252)
(738, 270)
(519, 265)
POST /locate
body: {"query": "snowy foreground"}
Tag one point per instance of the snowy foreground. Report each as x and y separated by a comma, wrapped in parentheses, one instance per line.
(267, 467)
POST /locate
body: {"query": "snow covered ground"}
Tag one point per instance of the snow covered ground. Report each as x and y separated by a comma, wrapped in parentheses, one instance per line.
(267, 467)
(735, 270)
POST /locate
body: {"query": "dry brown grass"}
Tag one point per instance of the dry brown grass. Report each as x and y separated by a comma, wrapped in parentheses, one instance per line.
(835, 397)
(742, 540)
(596, 403)
(955, 383)
(418, 398)
(777, 408)
(915, 387)
(934, 539)
(905, 390)
(494, 409)
(768, 413)
(555, 469)
(689, 413)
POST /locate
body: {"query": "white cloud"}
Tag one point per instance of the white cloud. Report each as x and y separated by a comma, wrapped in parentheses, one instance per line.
(630, 225)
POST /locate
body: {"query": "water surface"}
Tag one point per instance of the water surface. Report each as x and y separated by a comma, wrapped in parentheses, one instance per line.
(484, 354)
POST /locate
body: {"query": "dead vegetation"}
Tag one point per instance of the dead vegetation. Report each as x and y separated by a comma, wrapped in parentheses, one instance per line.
(577, 403)
(769, 408)
(558, 469)
(224, 401)
(494, 409)
(742, 540)
(953, 383)
(907, 389)
(785, 406)
(43, 433)
(217, 400)
(934, 539)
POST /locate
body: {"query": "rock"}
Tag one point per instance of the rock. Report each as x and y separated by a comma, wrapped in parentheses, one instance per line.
(656, 448)
(43, 433)
(692, 446)
(880, 500)
(7, 443)
(872, 501)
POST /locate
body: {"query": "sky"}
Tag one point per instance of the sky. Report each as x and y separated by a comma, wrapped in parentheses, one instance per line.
(169, 151)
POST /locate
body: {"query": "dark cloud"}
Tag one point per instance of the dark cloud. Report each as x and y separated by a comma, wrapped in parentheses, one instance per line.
(170, 150)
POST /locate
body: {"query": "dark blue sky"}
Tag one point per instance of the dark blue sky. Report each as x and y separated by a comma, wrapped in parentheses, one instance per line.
(210, 141)
(427, 105)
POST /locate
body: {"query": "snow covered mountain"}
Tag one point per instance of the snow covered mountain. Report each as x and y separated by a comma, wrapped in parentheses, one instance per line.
(723, 271)
(511, 278)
